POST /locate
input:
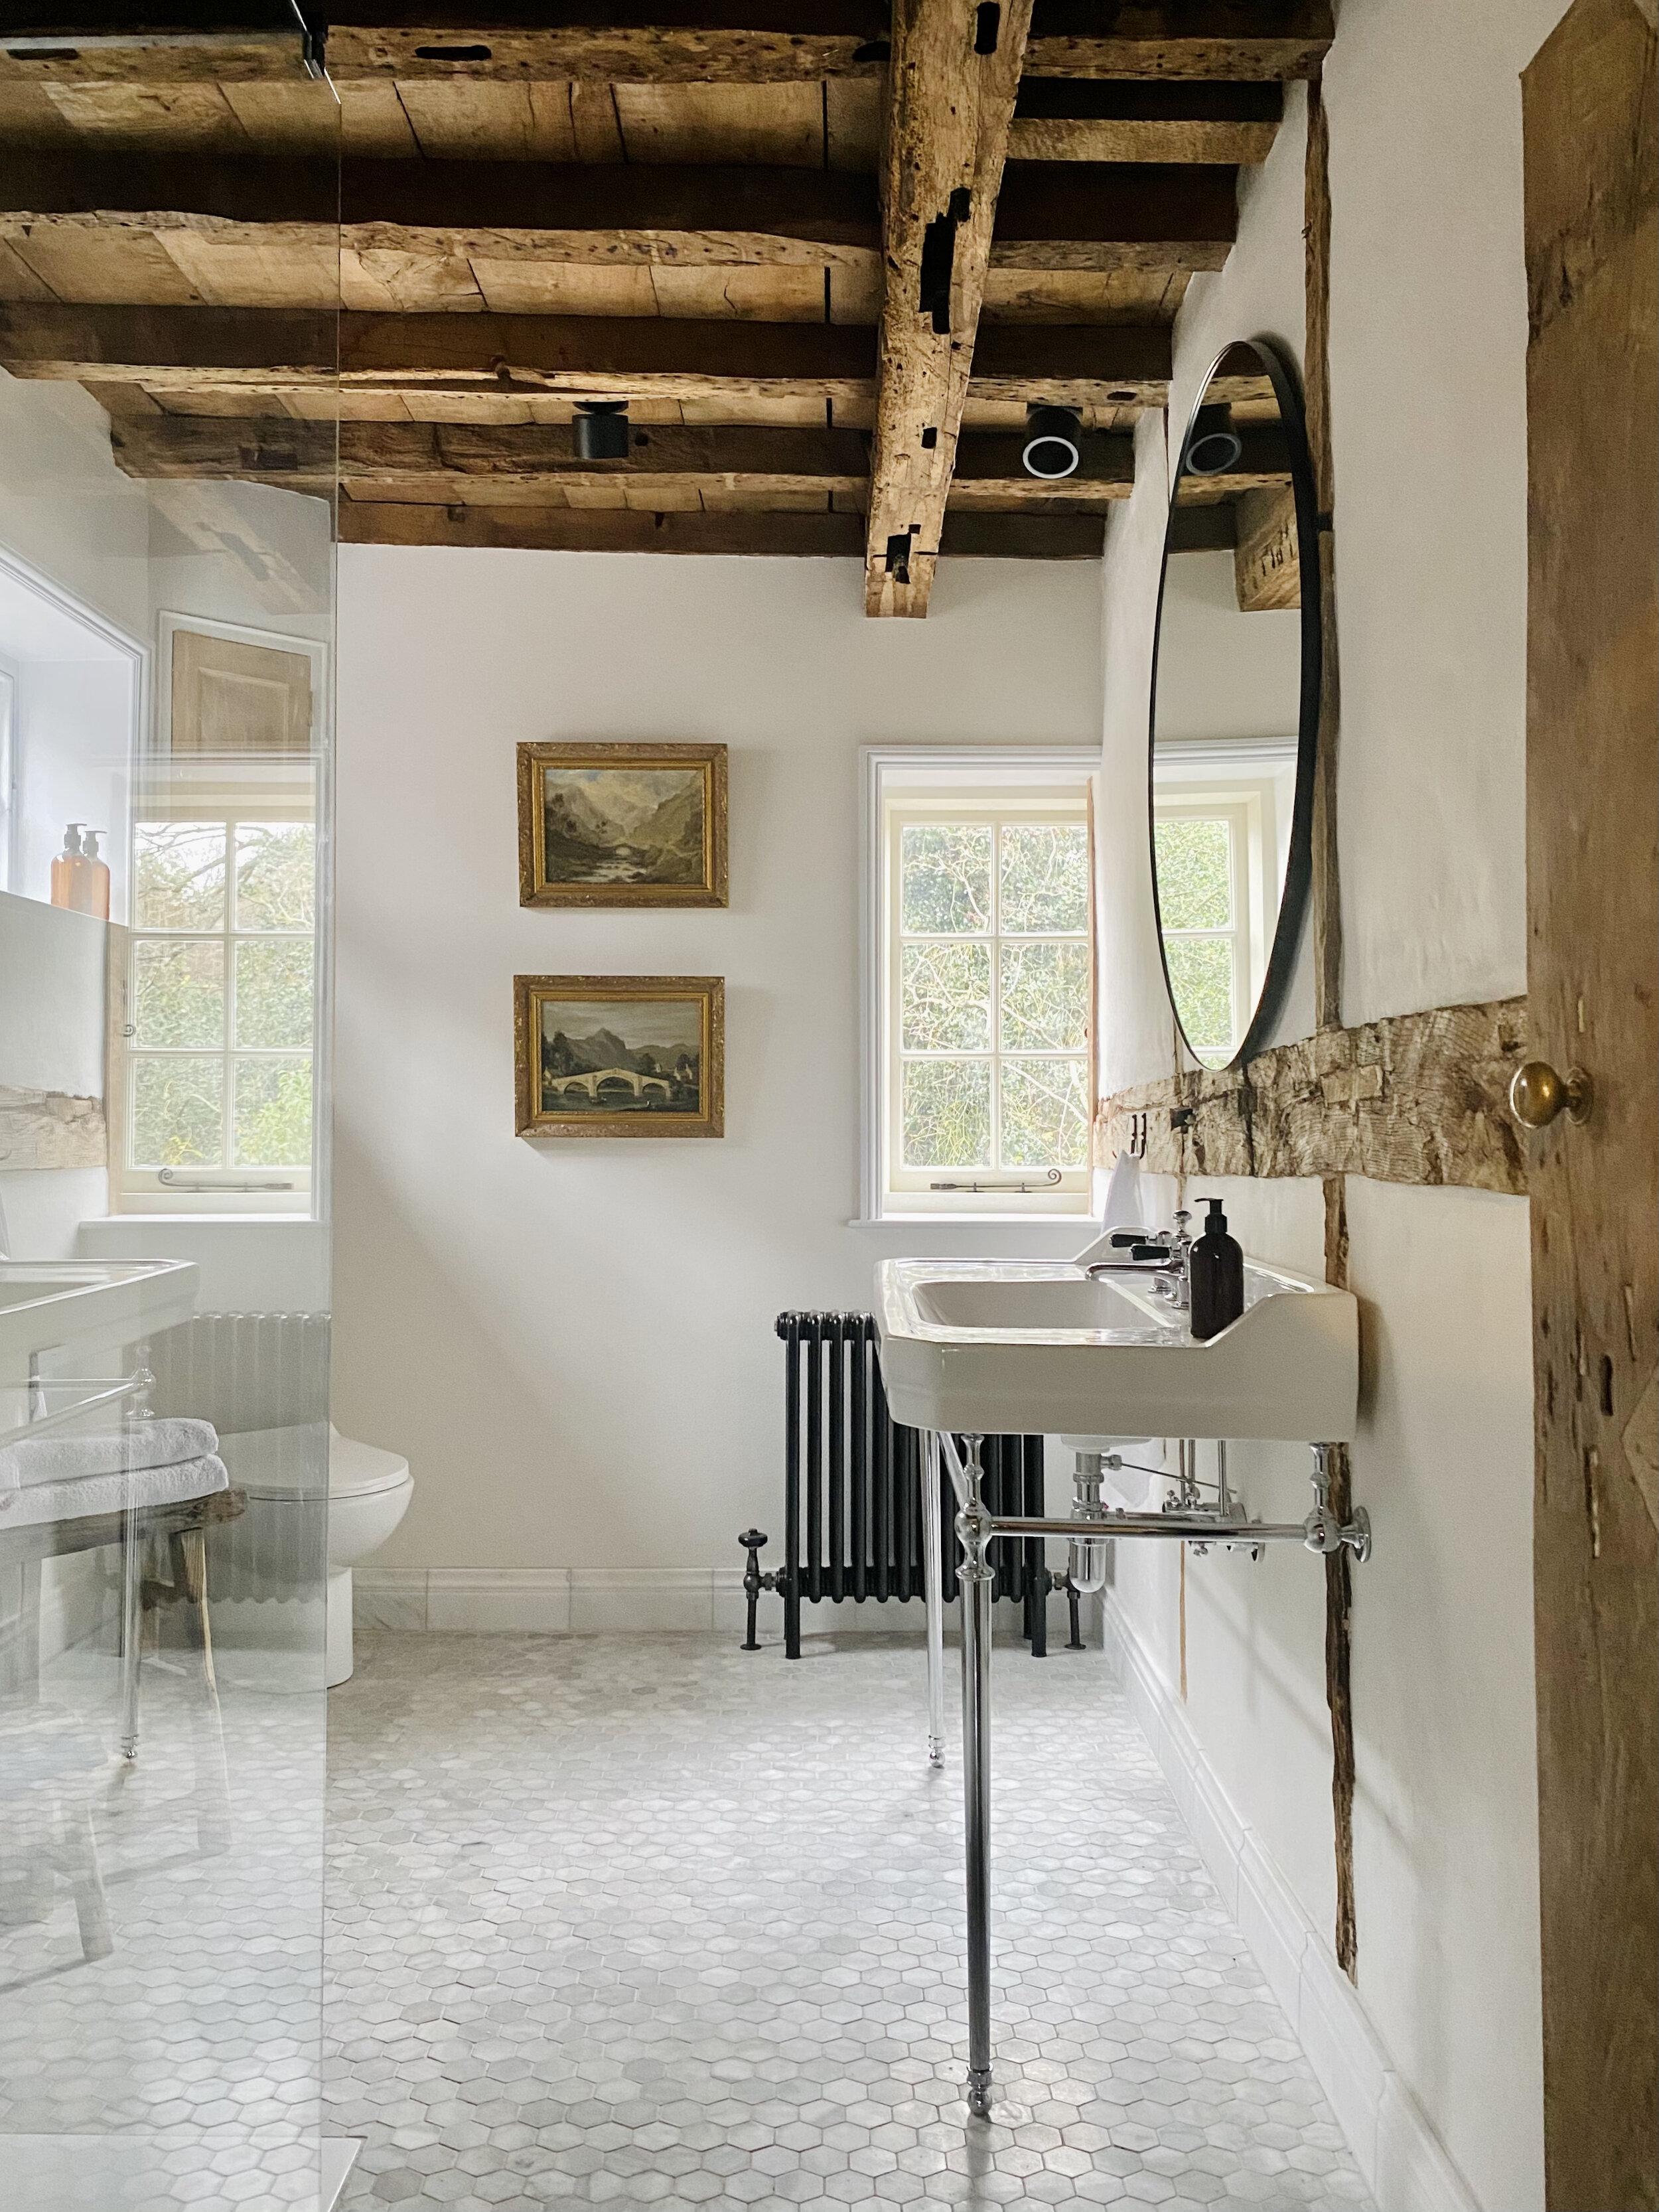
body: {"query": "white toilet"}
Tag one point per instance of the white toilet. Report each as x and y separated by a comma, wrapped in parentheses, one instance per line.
(368, 1494)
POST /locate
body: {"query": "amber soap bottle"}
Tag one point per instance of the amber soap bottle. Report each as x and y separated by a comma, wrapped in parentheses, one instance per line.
(1217, 1266)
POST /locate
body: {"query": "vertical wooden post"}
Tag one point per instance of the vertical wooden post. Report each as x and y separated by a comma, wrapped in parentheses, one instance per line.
(1592, 248)
(1327, 980)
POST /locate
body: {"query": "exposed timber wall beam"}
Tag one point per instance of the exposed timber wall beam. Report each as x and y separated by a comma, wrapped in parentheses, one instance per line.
(1418, 1098)
(272, 350)
(821, 535)
(952, 84)
(1099, 119)
(469, 458)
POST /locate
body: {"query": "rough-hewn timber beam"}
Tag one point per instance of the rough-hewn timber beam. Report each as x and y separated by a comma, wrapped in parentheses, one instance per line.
(990, 536)
(271, 350)
(1051, 215)
(570, 211)
(952, 84)
(465, 457)
(1418, 1098)
(731, 41)
(1096, 119)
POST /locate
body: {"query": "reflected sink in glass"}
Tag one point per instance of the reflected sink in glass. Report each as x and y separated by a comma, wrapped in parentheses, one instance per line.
(1030, 1347)
(46, 1305)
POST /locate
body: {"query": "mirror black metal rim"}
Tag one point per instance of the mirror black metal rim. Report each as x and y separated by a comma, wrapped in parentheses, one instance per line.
(1298, 867)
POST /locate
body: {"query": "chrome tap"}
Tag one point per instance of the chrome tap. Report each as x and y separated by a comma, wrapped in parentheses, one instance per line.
(1162, 1255)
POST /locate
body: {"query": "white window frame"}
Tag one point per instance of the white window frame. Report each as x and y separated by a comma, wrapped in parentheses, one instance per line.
(273, 780)
(1034, 780)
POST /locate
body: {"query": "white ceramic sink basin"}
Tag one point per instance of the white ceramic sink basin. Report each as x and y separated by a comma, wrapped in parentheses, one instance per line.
(46, 1305)
(1038, 1347)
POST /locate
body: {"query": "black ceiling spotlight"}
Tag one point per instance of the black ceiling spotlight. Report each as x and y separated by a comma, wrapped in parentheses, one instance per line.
(1054, 442)
(600, 430)
(1214, 447)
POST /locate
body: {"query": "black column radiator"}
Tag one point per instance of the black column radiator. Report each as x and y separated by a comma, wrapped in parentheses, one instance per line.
(852, 1509)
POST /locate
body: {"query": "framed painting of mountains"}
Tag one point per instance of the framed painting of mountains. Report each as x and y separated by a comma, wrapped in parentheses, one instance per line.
(620, 1056)
(622, 825)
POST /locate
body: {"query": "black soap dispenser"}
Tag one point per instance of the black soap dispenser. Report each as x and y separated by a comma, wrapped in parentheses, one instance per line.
(1216, 1275)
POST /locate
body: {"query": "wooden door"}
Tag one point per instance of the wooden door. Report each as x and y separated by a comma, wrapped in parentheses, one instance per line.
(1592, 237)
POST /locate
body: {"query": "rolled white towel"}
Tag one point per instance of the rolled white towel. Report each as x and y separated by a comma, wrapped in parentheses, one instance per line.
(162, 1442)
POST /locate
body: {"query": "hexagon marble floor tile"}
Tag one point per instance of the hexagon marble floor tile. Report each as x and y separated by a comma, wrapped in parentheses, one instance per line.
(645, 1920)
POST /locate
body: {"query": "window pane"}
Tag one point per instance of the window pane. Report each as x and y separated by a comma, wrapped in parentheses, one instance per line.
(947, 997)
(178, 1113)
(178, 994)
(1045, 998)
(274, 994)
(1045, 877)
(275, 863)
(1045, 1114)
(947, 1113)
(273, 1113)
(945, 879)
(1201, 981)
(178, 875)
(1195, 873)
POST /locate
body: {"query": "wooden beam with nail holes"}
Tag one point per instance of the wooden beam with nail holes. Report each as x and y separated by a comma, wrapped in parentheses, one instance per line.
(1052, 215)
(813, 535)
(467, 460)
(276, 351)
(670, 41)
(1096, 119)
(951, 85)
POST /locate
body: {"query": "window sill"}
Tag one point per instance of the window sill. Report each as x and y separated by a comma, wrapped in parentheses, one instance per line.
(1085, 1223)
(199, 1220)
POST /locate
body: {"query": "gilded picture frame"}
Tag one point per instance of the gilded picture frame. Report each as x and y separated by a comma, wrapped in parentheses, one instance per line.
(622, 825)
(619, 1055)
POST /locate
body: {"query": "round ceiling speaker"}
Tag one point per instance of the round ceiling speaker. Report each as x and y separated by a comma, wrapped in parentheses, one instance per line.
(1054, 442)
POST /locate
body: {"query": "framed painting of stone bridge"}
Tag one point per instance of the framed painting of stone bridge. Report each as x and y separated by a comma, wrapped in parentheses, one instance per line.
(620, 1056)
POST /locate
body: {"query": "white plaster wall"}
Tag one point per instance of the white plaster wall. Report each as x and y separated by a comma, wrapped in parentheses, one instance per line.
(1428, 333)
(572, 1341)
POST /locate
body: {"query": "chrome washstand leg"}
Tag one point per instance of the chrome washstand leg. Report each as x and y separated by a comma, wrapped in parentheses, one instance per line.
(974, 1530)
(932, 1585)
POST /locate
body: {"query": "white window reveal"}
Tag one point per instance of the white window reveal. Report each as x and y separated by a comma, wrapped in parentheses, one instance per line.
(221, 1023)
(981, 1013)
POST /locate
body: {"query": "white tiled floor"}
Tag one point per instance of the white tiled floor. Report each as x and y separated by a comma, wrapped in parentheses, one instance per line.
(647, 1920)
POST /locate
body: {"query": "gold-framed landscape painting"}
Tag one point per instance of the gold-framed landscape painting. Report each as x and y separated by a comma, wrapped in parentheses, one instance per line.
(622, 825)
(620, 1056)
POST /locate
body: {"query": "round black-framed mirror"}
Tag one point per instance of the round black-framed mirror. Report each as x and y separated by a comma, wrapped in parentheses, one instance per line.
(1233, 711)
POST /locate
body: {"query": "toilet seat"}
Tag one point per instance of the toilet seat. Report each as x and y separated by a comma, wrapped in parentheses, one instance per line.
(284, 1463)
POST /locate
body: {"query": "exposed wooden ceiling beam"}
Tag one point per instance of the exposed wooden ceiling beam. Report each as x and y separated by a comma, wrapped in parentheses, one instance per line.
(1096, 119)
(1066, 214)
(574, 212)
(273, 351)
(465, 459)
(951, 85)
(992, 537)
(730, 41)
(1051, 215)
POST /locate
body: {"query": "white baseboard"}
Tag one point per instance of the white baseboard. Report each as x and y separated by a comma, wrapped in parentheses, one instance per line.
(586, 1600)
(1405, 2165)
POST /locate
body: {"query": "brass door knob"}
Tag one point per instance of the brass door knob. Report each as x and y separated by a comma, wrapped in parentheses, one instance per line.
(1537, 1094)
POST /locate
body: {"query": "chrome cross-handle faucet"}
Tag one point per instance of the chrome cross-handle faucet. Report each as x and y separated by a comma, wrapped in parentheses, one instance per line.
(1163, 1256)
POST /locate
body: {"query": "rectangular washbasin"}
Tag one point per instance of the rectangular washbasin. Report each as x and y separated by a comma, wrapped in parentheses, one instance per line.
(48, 1306)
(1036, 1347)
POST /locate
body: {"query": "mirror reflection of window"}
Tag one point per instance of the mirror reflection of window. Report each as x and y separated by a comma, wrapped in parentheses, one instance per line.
(1228, 701)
